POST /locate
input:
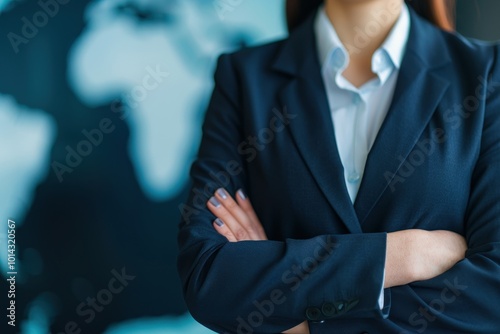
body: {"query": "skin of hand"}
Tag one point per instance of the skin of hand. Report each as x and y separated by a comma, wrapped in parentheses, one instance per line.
(236, 220)
(417, 255)
(412, 255)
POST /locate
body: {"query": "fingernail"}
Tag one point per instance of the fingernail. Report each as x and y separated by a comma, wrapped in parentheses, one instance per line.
(242, 194)
(219, 222)
(222, 193)
(214, 202)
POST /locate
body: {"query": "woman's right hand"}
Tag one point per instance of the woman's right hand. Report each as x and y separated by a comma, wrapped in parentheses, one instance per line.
(417, 255)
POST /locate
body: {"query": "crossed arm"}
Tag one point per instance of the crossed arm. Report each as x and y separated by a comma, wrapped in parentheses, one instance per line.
(411, 255)
(209, 265)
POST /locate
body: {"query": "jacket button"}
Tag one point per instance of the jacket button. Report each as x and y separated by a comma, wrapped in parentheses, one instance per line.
(340, 307)
(313, 313)
(328, 310)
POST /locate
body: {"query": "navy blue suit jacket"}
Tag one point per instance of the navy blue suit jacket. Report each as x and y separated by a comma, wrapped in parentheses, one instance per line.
(435, 164)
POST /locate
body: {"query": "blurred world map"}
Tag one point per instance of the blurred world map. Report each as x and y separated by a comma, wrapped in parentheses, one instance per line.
(101, 104)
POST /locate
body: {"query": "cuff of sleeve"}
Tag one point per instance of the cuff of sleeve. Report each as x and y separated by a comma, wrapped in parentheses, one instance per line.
(381, 296)
(387, 303)
(357, 264)
(384, 300)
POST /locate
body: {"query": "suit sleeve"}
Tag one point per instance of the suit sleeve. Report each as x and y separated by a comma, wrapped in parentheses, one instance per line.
(264, 286)
(465, 299)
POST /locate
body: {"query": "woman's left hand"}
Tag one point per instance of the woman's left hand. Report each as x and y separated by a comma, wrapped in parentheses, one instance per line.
(236, 220)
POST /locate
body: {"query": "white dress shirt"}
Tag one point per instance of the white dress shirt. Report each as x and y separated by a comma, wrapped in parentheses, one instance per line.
(358, 113)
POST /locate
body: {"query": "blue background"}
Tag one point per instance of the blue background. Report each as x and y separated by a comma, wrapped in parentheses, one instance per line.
(141, 70)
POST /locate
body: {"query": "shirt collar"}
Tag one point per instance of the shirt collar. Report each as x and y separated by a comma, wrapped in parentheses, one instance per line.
(333, 53)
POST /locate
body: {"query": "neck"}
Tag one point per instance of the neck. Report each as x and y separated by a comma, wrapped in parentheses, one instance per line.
(363, 25)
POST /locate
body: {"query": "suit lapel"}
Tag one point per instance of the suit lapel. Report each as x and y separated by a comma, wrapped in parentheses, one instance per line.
(312, 130)
(313, 135)
(418, 92)
(417, 95)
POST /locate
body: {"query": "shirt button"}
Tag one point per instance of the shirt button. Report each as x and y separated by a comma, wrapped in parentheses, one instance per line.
(357, 99)
(353, 177)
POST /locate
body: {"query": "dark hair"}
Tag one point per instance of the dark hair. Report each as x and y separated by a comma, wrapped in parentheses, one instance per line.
(439, 12)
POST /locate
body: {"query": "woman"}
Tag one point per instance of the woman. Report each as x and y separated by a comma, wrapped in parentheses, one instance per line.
(369, 144)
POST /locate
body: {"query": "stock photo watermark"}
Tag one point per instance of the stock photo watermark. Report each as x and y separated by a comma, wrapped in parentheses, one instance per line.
(292, 279)
(248, 149)
(453, 116)
(380, 19)
(254, 144)
(31, 24)
(223, 7)
(87, 310)
(11, 272)
(421, 318)
(424, 149)
(93, 138)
